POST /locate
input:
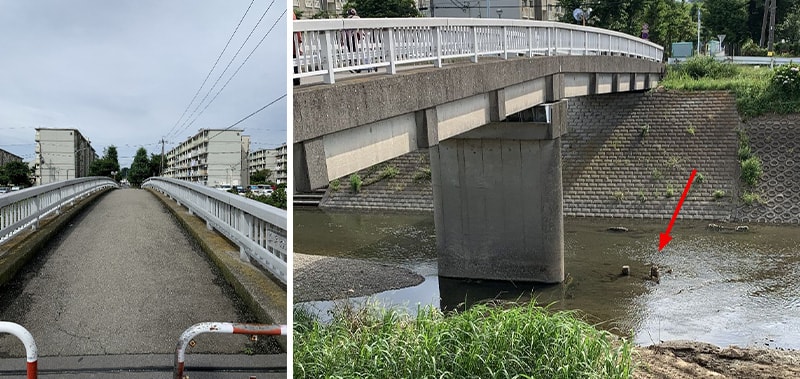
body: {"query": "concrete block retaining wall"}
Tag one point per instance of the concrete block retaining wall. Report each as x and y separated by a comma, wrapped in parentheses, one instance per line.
(623, 152)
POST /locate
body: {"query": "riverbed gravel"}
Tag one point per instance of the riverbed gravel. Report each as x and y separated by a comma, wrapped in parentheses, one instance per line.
(328, 278)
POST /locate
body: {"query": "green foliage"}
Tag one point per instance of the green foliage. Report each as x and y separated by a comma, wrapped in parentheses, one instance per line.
(787, 79)
(260, 176)
(140, 168)
(718, 194)
(751, 171)
(727, 17)
(670, 192)
(703, 66)
(423, 174)
(276, 199)
(107, 164)
(751, 49)
(745, 152)
(155, 164)
(389, 172)
(619, 196)
(641, 196)
(690, 130)
(512, 340)
(335, 185)
(355, 183)
(657, 175)
(16, 173)
(700, 178)
(644, 130)
(750, 198)
(382, 8)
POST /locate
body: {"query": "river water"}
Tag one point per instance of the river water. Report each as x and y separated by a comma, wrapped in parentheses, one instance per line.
(717, 285)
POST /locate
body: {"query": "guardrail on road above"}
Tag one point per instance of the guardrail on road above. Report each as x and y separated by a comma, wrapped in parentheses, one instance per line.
(257, 228)
(325, 47)
(22, 209)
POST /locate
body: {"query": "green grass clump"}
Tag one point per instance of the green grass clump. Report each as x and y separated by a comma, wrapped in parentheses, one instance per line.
(355, 183)
(750, 198)
(509, 341)
(718, 194)
(751, 171)
(335, 184)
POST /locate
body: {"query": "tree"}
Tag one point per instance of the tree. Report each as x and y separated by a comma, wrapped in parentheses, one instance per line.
(16, 172)
(669, 21)
(260, 176)
(382, 8)
(140, 168)
(107, 164)
(728, 17)
(155, 164)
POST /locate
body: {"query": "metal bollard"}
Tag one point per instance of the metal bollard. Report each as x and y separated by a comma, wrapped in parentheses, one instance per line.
(30, 345)
(220, 327)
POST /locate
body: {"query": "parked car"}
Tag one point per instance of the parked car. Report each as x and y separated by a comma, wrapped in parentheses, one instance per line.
(15, 188)
(5, 189)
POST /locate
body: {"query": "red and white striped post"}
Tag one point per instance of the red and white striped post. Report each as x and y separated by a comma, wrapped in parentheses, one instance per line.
(220, 327)
(25, 336)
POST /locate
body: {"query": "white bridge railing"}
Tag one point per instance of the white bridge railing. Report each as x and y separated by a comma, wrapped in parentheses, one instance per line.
(257, 228)
(325, 47)
(23, 209)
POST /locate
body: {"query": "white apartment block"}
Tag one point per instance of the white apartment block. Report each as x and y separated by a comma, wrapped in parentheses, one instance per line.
(265, 159)
(308, 8)
(61, 154)
(211, 157)
(547, 10)
(282, 160)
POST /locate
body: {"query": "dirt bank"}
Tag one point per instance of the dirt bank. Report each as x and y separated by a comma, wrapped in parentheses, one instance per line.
(326, 278)
(689, 359)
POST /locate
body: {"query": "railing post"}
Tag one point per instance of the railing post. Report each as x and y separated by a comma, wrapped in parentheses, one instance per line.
(388, 38)
(328, 60)
(246, 228)
(505, 42)
(530, 41)
(549, 41)
(437, 46)
(474, 58)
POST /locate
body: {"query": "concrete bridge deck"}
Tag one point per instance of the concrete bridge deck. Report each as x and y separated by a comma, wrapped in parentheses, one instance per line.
(124, 279)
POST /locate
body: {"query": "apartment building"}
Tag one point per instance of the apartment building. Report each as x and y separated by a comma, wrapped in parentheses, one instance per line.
(265, 159)
(6, 157)
(282, 159)
(547, 10)
(308, 8)
(61, 154)
(212, 157)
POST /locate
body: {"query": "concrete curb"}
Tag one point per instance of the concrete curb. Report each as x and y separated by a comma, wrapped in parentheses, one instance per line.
(22, 248)
(263, 296)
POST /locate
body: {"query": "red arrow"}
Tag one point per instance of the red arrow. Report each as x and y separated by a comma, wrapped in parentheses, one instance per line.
(664, 238)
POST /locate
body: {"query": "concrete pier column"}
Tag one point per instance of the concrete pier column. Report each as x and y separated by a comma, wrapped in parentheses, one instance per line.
(498, 201)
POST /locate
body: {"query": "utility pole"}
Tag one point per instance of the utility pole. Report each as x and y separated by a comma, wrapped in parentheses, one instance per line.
(698, 30)
(771, 25)
(161, 173)
(764, 24)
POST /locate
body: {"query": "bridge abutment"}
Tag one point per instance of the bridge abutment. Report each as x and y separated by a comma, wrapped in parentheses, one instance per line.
(498, 205)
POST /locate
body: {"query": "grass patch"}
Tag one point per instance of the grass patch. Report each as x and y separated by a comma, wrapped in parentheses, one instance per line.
(751, 171)
(700, 178)
(424, 174)
(756, 89)
(355, 183)
(619, 195)
(335, 184)
(641, 196)
(513, 340)
(718, 194)
(670, 192)
(750, 198)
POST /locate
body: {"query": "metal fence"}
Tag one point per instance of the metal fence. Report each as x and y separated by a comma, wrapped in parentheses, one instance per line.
(742, 60)
(257, 228)
(24, 209)
(326, 47)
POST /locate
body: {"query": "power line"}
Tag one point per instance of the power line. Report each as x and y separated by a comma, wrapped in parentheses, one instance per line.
(185, 125)
(251, 114)
(237, 69)
(212, 67)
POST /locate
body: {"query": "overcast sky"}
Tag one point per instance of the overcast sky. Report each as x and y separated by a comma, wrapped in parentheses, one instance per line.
(123, 72)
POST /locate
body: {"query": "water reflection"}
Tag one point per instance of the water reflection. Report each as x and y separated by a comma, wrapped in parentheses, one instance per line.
(718, 287)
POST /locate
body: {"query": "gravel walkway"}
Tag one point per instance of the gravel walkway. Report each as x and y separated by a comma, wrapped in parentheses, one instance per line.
(327, 278)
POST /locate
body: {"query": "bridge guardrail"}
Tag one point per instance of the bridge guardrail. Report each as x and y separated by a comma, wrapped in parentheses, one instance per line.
(25, 208)
(257, 228)
(325, 47)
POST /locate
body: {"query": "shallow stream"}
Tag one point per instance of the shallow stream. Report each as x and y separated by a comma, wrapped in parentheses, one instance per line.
(717, 285)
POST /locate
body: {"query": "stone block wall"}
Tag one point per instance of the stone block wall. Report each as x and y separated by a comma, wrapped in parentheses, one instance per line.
(630, 155)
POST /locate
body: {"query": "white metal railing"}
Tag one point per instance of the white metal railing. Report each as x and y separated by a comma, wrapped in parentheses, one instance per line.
(325, 47)
(23, 209)
(744, 60)
(257, 228)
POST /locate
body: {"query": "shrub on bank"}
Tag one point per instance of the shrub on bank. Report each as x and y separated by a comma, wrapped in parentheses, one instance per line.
(523, 341)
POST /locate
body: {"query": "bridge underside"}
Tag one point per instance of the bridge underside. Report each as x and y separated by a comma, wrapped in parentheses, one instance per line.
(496, 173)
(342, 128)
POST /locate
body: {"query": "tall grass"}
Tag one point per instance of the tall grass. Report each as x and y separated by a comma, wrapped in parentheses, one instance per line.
(519, 341)
(753, 87)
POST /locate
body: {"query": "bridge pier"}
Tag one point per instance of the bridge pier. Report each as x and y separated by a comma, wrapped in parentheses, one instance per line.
(498, 201)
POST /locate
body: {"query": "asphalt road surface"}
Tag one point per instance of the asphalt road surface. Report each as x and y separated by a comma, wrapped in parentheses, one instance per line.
(123, 278)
